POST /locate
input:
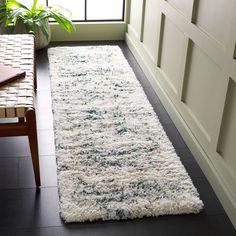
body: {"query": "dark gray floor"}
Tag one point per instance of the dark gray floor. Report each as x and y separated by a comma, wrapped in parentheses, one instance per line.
(26, 211)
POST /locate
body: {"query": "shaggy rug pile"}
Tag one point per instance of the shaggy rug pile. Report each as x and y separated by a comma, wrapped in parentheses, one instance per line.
(114, 159)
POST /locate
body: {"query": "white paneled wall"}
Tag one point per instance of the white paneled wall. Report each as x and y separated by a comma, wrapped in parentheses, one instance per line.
(136, 17)
(149, 36)
(187, 49)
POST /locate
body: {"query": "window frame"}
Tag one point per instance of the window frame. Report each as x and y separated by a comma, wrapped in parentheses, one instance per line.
(98, 20)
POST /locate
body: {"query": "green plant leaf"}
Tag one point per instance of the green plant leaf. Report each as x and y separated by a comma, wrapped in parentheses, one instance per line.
(13, 16)
(42, 26)
(2, 14)
(62, 20)
(34, 6)
(29, 24)
(10, 4)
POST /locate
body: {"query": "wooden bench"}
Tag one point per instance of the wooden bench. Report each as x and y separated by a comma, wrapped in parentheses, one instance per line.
(17, 98)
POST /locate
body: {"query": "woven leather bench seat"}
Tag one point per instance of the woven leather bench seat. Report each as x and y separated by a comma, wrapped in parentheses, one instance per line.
(16, 97)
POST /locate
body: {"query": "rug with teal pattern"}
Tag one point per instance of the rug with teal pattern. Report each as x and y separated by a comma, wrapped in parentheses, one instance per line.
(114, 159)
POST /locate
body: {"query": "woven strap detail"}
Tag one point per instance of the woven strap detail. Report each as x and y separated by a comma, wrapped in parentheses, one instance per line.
(15, 97)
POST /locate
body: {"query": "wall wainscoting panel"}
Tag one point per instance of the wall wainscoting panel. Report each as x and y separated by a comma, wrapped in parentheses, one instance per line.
(226, 143)
(172, 53)
(187, 49)
(150, 27)
(202, 76)
(136, 12)
(184, 6)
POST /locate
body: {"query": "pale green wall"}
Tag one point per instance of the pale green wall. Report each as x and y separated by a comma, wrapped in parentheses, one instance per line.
(186, 47)
(89, 31)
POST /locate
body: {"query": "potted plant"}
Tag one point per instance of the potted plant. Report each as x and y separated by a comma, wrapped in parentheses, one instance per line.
(36, 18)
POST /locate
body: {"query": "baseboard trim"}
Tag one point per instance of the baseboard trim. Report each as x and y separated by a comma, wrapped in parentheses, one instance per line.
(207, 167)
(90, 31)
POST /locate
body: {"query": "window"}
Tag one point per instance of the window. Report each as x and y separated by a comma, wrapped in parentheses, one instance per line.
(76, 7)
(105, 9)
(89, 10)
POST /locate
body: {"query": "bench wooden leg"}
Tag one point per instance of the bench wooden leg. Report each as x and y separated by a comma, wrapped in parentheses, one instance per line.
(35, 81)
(33, 141)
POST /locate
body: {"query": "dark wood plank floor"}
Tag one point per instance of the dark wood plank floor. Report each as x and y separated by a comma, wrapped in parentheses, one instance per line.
(28, 212)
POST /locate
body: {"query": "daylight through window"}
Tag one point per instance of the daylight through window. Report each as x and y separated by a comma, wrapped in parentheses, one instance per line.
(89, 10)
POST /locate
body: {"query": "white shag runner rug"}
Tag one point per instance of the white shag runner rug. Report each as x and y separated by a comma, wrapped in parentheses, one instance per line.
(114, 159)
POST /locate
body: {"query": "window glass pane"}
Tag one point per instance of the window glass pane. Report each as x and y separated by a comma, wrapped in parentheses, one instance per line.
(104, 9)
(96, 9)
(76, 7)
(28, 3)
